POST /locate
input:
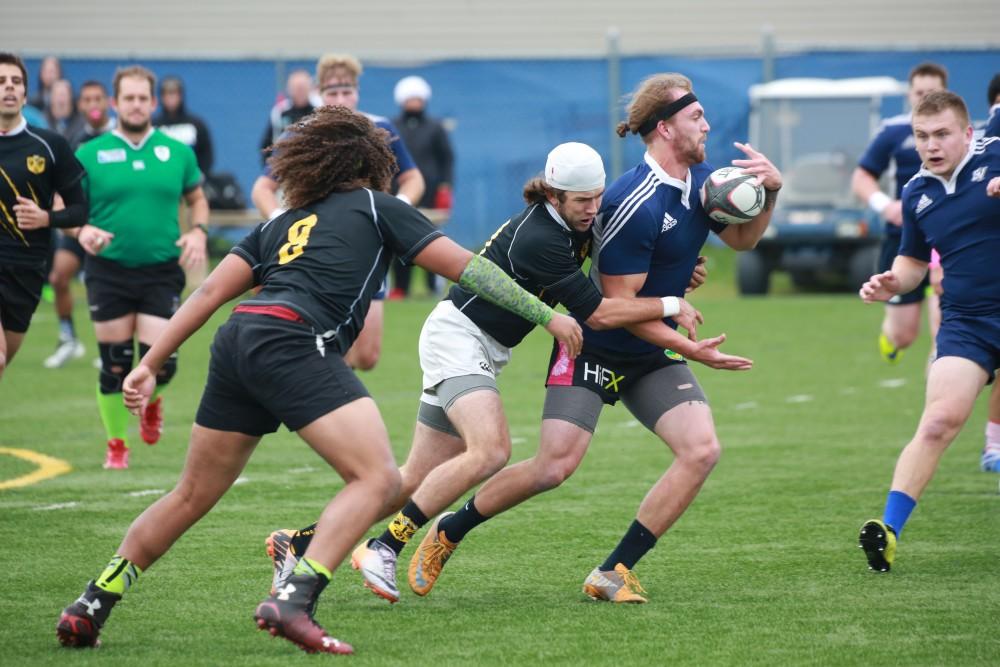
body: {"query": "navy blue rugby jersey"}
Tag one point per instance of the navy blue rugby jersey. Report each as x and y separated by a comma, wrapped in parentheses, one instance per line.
(654, 224)
(957, 219)
(893, 142)
(543, 255)
(326, 260)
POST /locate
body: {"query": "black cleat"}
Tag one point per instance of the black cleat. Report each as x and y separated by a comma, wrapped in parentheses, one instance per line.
(80, 624)
(879, 543)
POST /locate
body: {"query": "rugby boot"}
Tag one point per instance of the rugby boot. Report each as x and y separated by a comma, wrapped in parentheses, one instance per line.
(879, 543)
(80, 623)
(377, 564)
(434, 551)
(289, 614)
(282, 554)
(618, 585)
(151, 421)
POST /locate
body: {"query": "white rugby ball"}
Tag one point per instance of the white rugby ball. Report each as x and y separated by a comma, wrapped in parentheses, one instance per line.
(731, 196)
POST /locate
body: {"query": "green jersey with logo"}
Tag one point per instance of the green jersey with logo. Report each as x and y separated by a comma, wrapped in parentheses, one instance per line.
(135, 192)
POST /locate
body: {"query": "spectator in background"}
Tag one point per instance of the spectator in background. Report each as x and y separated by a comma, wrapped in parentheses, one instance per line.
(175, 121)
(48, 74)
(92, 109)
(428, 143)
(291, 109)
(61, 113)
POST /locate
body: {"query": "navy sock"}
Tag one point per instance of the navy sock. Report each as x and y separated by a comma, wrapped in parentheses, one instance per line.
(898, 506)
(459, 524)
(637, 541)
(401, 529)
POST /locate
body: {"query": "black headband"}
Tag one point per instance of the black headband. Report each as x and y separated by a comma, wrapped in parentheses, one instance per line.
(665, 112)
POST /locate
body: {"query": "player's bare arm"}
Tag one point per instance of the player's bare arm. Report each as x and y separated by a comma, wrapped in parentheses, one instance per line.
(905, 275)
(658, 333)
(866, 188)
(194, 243)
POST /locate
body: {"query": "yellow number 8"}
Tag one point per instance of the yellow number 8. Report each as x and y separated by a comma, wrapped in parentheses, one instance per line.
(298, 239)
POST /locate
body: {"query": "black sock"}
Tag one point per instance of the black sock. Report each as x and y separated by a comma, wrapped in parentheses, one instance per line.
(303, 536)
(402, 527)
(637, 541)
(459, 524)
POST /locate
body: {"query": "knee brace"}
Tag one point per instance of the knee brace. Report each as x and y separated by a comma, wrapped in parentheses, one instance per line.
(169, 369)
(116, 363)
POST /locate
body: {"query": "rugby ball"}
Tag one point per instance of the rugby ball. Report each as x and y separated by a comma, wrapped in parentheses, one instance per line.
(731, 196)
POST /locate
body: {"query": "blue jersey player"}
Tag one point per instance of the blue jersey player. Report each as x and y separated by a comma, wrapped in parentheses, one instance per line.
(649, 229)
(893, 145)
(953, 205)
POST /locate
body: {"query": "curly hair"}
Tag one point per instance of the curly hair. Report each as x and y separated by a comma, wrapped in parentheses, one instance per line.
(333, 149)
(536, 191)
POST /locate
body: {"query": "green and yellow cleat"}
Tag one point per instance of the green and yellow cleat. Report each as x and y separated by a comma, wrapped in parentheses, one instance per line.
(879, 543)
(889, 352)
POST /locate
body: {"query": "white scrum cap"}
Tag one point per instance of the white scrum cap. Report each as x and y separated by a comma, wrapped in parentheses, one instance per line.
(574, 167)
(410, 87)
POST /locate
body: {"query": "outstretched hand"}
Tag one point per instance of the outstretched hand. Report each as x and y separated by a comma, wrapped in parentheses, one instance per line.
(880, 287)
(707, 352)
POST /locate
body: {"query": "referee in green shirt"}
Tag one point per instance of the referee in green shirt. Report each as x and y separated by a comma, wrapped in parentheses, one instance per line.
(136, 177)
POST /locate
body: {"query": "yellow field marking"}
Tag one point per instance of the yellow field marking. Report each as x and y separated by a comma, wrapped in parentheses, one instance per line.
(47, 467)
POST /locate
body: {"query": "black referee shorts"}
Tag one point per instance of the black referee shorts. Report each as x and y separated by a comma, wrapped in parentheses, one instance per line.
(267, 371)
(20, 291)
(114, 290)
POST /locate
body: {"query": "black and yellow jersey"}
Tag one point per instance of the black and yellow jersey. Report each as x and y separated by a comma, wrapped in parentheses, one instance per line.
(544, 256)
(35, 164)
(325, 261)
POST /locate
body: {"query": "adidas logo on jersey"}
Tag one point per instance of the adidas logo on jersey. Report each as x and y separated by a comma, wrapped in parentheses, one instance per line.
(668, 223)
(924, 202)
(979, 174)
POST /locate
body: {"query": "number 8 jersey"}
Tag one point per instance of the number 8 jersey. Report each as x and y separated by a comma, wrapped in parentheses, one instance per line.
(326, 260)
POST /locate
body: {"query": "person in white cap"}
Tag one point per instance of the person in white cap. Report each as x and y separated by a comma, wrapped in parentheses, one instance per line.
(461, 436)
(647, 236)
(428, 143)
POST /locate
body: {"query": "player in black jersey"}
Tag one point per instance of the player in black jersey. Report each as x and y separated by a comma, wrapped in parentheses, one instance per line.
(34, 165)
(279, 359)
(461, 437)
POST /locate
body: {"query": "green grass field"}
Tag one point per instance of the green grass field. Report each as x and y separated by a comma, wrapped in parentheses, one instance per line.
(762, 570)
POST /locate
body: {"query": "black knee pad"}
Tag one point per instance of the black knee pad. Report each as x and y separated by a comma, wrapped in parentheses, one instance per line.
(169, 369)
(116, 363)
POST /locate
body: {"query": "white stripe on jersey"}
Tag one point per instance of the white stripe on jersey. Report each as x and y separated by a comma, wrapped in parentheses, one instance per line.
(631, 204)
(371, 271)
(27, 130)
(514, 238)
(981, 144)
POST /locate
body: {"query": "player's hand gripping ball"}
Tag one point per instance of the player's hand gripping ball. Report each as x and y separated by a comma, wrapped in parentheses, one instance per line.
(730, 196)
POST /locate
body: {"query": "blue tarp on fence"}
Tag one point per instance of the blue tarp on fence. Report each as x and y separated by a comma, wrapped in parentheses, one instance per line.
(509, 113)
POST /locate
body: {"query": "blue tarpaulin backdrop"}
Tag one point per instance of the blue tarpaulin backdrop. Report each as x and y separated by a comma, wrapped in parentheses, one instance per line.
(509, 113)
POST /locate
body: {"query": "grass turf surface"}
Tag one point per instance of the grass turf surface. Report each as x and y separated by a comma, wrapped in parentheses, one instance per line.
(763, 569)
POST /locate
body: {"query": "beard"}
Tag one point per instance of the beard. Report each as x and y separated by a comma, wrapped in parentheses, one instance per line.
(694, 153)
(135, 127)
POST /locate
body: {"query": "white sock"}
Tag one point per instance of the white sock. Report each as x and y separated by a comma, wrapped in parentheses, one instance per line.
(993, 435)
